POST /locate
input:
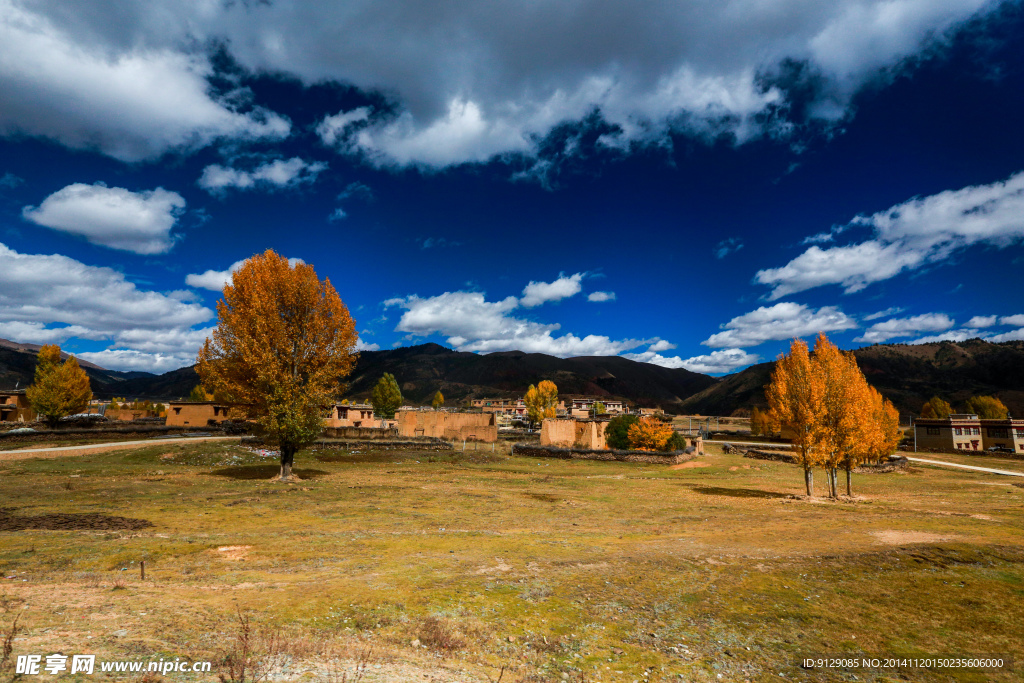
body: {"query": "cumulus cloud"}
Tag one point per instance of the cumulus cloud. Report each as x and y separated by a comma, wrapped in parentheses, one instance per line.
(214, 280)
(466, 82)
(277, 174)
(1013, 335)
(906, 327)
(601, 296)
(49, 298)
(951, 335)
(537, 293)
(714, 363)
(363, 346)
(907, 236)
(128, 360)
(1012, 320)
(112, 217)
(982, 321)
(471, 323)
(784, 320)
(133, 95)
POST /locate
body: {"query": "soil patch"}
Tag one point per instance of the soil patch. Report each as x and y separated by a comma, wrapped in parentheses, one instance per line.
(234, 552)
(68, 521)
(263, 472)
(691, 464)
(738, 493)
(893, 537)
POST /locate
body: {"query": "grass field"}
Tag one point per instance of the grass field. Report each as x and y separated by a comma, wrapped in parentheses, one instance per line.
(449, 567)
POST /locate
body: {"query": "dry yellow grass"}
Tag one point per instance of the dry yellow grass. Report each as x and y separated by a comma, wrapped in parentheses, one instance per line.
(598, 571)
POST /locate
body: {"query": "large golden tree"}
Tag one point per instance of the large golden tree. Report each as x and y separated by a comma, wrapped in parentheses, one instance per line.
(59, 389)
(835, 419)
(283, 342)
(794, 402)
(541, 401)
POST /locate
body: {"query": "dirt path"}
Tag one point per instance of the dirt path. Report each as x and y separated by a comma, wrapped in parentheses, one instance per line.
(941, 463)
(89, 449)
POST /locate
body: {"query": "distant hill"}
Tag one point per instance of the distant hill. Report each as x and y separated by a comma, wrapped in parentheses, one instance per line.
(906, 374)
(421, 371)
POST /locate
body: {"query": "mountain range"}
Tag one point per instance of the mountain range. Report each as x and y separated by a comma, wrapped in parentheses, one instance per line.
(906, 374)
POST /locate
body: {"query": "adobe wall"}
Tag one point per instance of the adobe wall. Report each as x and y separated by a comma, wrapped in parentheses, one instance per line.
(555, 432)
(195, 414)
(124, 415)
(447, 425)
(571, 433)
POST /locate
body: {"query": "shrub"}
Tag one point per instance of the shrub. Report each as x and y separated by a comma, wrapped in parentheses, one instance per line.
(617, 432)
(676, 442)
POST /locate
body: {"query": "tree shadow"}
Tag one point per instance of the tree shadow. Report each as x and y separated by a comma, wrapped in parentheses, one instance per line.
(738, 493)
(263, 472)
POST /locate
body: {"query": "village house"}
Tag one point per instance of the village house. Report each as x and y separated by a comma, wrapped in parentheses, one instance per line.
(967, 432)
(580, 406)
(197, 413)
(350, 415)
(589, 434)
(14, 406)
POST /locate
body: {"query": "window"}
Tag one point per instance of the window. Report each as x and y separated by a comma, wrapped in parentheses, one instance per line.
(1020, 432)
(997, 432)
(958, 431)
(933, 431)
(976, 431)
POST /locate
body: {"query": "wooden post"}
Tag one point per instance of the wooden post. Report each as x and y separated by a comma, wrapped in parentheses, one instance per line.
(142, 570)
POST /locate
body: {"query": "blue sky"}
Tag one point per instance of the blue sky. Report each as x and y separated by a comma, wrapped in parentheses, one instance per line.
(692, 185)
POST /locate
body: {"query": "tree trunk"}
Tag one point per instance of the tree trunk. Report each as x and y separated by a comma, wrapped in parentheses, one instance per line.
(287, 458)
(849, 485)
(809, 481)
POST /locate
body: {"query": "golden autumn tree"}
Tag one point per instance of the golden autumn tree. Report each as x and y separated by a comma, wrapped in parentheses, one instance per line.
(438, 400)
(794, 396)
(541, 401)
(758, 422)
(883, 433)
(58, 389)
(649, 434)
(936, 409)
(986, 407)
(283, 341)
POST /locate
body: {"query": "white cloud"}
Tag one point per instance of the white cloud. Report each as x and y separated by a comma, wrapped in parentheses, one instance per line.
(1016, 320)
(214, 280)
(951, 335)
(363, 346)
(727, 246)
(51, 298)
(133, 92)
(1013, 335)
(471, 81)
(275, 174)
(716, 362)
(129, 360)
(471, 323)
(906, 327)
(112, 217)
(661, 345)
(601, 296)
(982, 321)
(784, 320)
(892, 310)
(907, 236)
(40, 333)
(537, 293)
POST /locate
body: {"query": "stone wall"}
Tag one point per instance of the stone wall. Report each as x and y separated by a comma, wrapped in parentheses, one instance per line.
(360, 432)
(125, 415)
(535, 451)
(448, 425)
(385, 445)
